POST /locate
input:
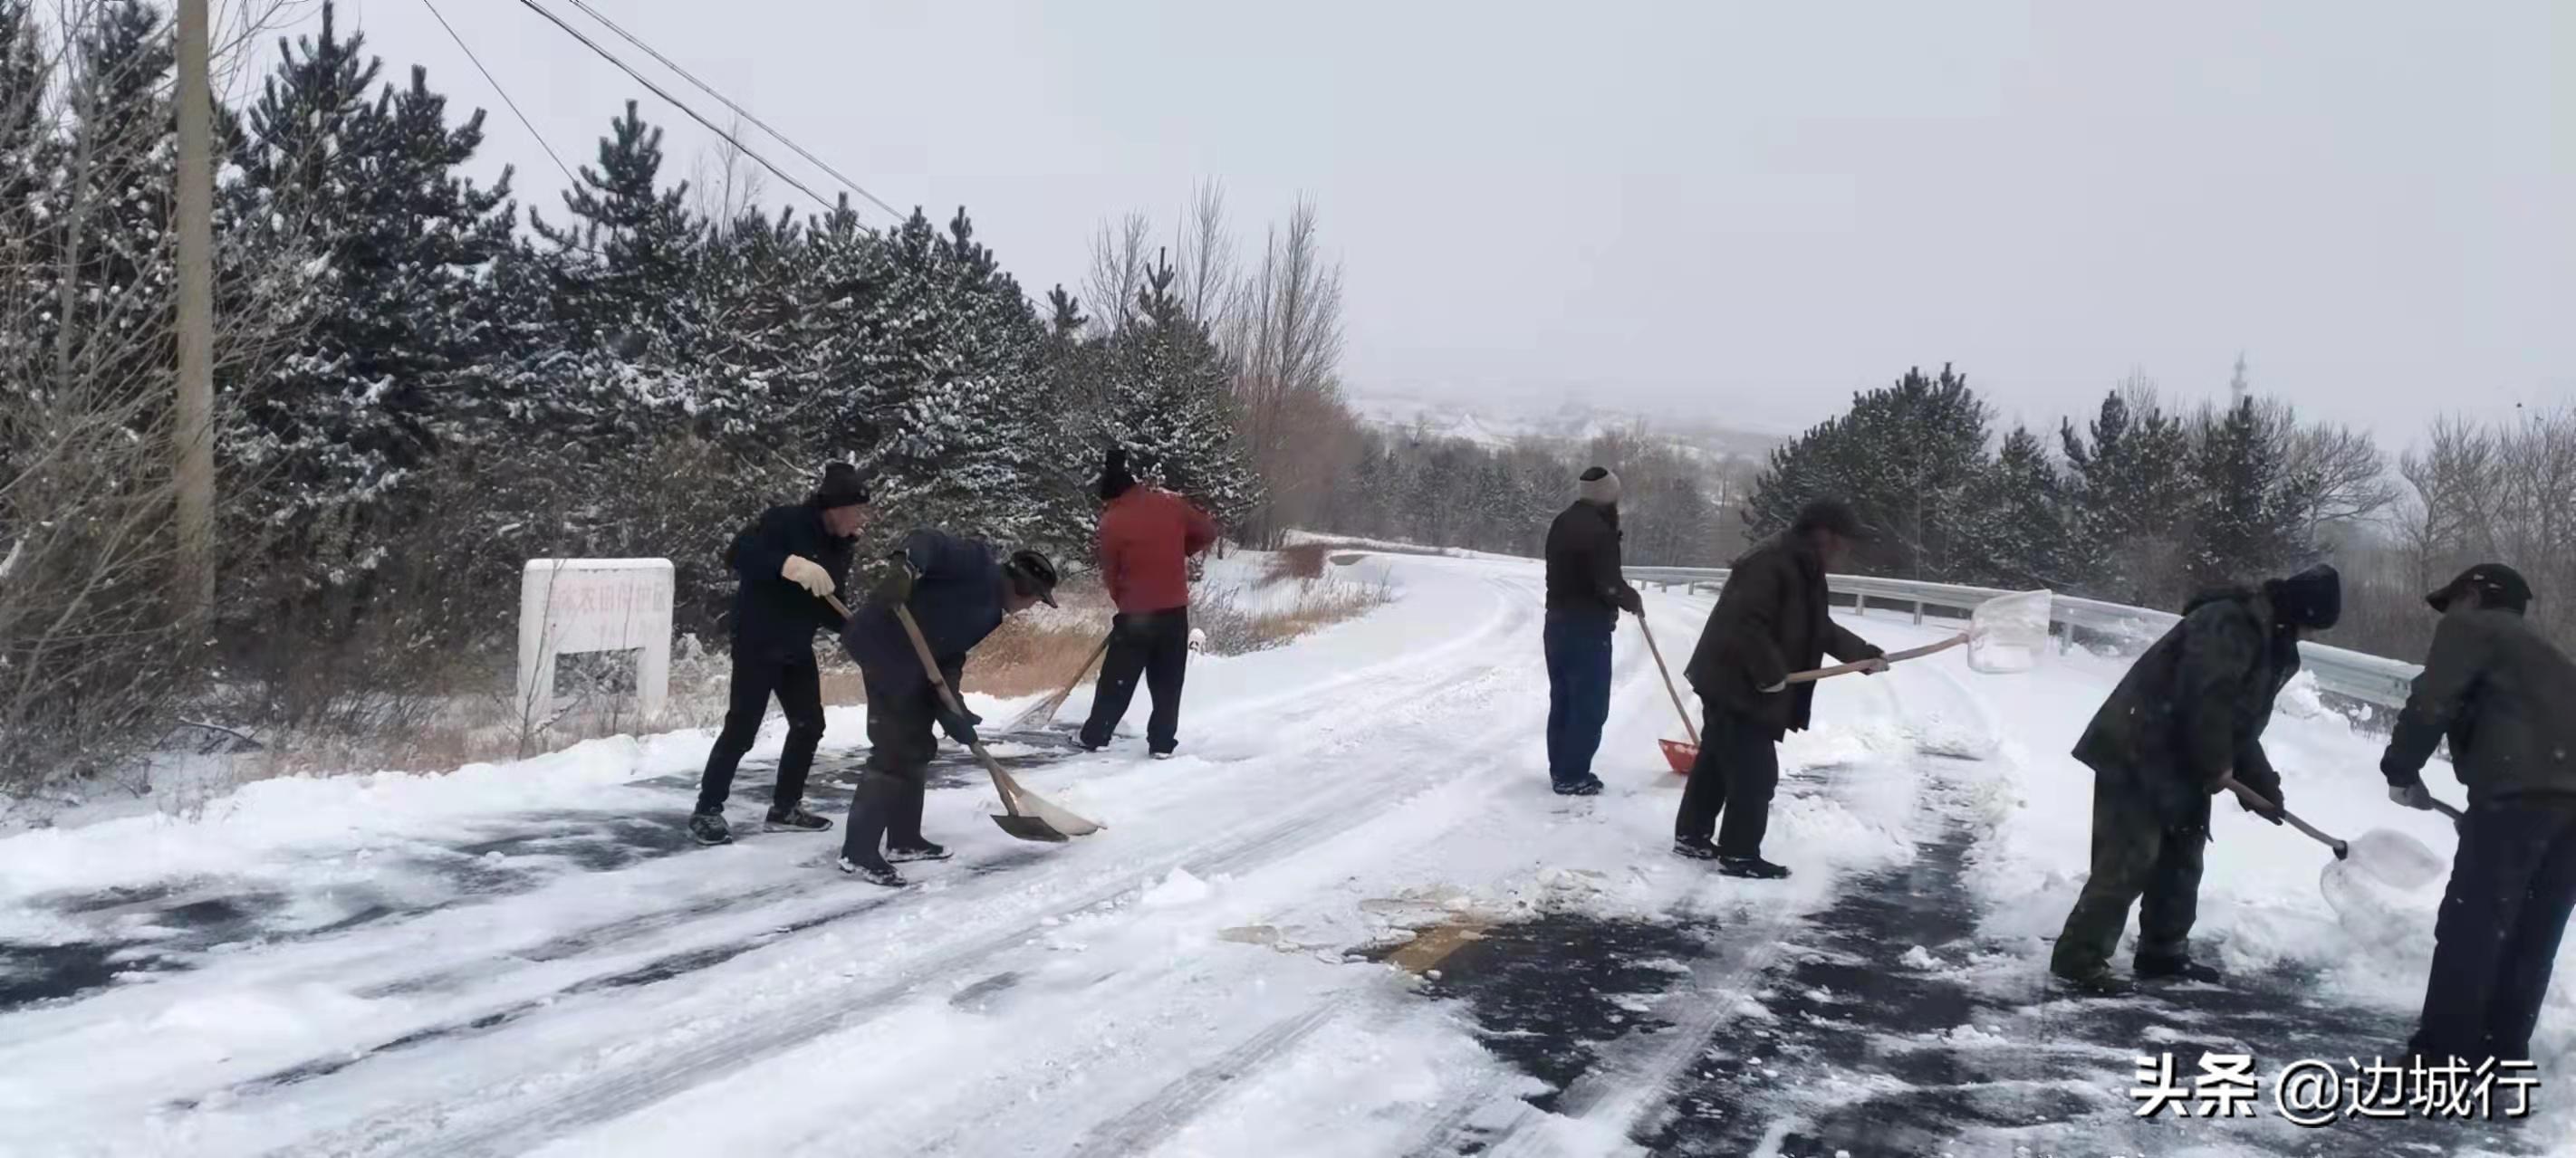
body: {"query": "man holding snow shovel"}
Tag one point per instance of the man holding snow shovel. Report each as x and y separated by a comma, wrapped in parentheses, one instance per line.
(1147, 535)
(2189, 714)
(957, 592)
(1770, 622)
(786, 562)
(2506, 699)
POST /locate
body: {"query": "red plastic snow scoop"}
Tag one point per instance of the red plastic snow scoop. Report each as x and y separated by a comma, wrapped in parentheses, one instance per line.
(1030, 816)
(1680, 755)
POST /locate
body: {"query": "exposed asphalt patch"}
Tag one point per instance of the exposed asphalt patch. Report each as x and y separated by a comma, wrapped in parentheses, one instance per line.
(1871, 1049)
(1548, 993)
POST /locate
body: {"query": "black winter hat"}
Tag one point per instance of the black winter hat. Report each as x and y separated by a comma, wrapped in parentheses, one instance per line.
(1832, 515)
(2496, 584)
(1115, 479)
(841, 487)
(1032, 575)
(2312, 599)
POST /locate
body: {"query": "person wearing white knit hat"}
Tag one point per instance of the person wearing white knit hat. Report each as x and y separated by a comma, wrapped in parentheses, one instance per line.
(1585, 594)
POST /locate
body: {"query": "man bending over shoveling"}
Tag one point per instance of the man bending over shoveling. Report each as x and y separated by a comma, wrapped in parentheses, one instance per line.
(957, 593)
(2506, 699)
(2189, 715)
(1771, 621)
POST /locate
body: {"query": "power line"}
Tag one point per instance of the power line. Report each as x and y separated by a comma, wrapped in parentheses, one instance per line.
(744, 113)
(675, 102)
(569, 179)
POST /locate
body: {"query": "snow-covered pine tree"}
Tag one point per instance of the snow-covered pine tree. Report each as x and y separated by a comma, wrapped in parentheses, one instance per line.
(1906, 457)
(2016, 535)
(631, 245)
(1169, 401)
(2247, 507)
(962, 425)
(325, 440)
(2129, 492)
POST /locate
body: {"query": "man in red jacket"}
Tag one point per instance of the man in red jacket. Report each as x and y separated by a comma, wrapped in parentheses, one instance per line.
(1146, 538)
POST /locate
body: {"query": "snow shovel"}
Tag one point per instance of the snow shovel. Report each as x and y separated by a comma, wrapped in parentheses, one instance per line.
(1031, 817)
(1680, 755)
(2391, 858)
(1043, 711)
(2006, 635)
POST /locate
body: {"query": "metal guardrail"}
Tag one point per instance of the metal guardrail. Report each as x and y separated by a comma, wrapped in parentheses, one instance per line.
(2370, 679)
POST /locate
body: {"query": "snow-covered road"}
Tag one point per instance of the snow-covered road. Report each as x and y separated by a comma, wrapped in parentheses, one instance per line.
(529, 959)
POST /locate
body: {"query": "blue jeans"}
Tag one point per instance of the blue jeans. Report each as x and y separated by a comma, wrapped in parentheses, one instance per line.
(1578, 690)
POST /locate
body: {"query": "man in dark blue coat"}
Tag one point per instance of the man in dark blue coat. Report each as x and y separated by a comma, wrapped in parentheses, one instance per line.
(957, 592)
(786, 562)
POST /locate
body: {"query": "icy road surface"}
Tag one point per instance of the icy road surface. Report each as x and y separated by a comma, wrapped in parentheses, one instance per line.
(1350, 919)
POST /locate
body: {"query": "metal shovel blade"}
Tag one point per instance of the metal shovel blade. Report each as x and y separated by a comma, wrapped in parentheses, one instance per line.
(2008, 634)
(1030, 828)
(2395, 859)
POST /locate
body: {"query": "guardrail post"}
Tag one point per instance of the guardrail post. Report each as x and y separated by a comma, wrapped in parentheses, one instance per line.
(1860, 604)
(1918, 613)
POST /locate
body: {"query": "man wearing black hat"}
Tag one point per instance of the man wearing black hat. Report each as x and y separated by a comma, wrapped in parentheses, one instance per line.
(1585, 594)
(2187, 717)
(2506, 700)
(957, 592)
(1771, 621)
(786, 562)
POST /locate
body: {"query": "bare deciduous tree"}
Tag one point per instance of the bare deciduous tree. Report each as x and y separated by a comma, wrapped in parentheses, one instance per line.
(1120, 256)
(1287, 341)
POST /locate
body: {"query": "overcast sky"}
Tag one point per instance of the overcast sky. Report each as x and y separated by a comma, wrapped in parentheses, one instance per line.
(1740, 210)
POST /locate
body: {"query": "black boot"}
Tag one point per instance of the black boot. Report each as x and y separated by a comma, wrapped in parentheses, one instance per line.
(1751, 868)
(878, 873)
(902, 854)
(710, 828)
(2179, 968)
(1589, 785)
(794, 819)
(2094, 983)
(1695, 847)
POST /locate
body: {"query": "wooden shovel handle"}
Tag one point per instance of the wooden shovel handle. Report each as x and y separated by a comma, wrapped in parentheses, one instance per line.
(2256, 801)
(1806, 677)
(1669, 689)
(1002, 782)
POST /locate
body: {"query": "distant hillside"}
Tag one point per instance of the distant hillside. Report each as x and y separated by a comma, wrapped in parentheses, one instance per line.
(1502, 423)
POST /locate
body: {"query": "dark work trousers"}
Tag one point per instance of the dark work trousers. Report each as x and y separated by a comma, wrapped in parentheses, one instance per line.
(1578, 690)
(2512, 886)
(1737, 772)
(1155, 645)
(886, 812)
(799, 688)
(2140, 858)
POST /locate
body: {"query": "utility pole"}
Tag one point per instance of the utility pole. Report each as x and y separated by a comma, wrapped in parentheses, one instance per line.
(193, 433)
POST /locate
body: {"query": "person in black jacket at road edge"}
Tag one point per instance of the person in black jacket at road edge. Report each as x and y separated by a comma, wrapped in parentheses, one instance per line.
(1585, 594)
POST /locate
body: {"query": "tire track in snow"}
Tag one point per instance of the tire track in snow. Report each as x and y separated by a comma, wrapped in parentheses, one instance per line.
(597, 1097)
(1149, 1124)
(1616, 1094)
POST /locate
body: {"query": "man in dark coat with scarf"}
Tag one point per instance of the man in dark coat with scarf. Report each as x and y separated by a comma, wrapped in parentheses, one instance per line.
(2187, 717)
(957, 592)
(1771, 621)
(1585, 594)
(784, 564)
(2506, 700)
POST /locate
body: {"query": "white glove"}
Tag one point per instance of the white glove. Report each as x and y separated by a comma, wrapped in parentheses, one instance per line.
(2412, 794)
(1782, 685)
(807, 574)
